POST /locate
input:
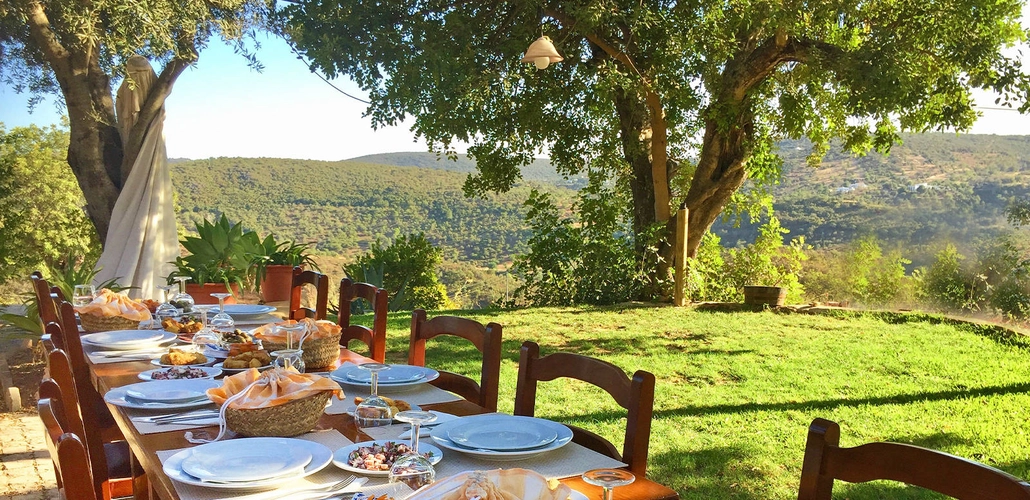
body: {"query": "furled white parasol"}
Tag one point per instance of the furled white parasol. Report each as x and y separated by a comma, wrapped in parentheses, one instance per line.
(142, 240)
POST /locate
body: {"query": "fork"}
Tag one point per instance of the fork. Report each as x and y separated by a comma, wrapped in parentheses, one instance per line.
(320, 492)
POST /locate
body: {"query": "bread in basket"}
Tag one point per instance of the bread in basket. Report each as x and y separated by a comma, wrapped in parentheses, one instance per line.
(278, 402)
(112, 311)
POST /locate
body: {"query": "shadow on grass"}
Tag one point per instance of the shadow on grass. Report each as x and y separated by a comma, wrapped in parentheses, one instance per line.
(711, 473)
(829, 404)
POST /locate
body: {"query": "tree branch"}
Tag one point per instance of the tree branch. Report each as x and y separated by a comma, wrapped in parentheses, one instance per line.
(39, 27)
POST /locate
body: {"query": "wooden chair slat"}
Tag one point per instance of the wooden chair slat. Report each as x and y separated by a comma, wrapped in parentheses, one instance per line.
(375, 337)
(321, 284)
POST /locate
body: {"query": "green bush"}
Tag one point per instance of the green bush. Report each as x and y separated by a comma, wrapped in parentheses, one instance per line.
(768, 262)
(406, 269)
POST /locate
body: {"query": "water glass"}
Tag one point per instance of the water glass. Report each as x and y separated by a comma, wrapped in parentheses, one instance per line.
(83, 294)
(608, 479)
(412, 468)
(373, 410)
(222, 322)
(289, 358)
(183, 300)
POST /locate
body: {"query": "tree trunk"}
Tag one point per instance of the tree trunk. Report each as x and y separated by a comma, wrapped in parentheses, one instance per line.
(720, 172)
(94, 154)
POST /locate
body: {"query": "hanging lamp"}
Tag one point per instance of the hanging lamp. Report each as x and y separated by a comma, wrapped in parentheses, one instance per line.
(542, 53)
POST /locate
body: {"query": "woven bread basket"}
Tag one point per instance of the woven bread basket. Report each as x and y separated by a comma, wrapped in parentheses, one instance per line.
(285, 420)
(318, 353)
(93, 323)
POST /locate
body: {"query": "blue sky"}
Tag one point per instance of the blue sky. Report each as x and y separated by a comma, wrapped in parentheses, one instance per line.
(221, 107)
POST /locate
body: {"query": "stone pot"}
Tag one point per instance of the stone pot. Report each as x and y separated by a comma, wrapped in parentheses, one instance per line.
(773, 296)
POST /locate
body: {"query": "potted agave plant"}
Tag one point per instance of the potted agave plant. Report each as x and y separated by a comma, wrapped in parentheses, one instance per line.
(273, 265)
(217, 261)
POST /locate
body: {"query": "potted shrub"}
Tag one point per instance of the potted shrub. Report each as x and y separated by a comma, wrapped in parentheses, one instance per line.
(217, 260)
(273, 266)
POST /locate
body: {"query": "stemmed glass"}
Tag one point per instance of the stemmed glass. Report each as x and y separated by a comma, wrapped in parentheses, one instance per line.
(206, 335)
(166, 309)
(183, 300)
(608, 479)
(373, 411)
(222, 322)
(289, 358)
(83, 294)
(293, 331)
(412, 468)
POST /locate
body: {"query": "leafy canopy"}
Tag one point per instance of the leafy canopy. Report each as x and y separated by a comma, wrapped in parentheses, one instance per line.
(855, 70)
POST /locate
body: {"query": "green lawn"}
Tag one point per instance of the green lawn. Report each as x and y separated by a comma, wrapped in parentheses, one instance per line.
(737, 391)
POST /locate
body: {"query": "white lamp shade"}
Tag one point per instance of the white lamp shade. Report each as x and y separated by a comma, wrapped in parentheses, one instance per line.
(539, 51)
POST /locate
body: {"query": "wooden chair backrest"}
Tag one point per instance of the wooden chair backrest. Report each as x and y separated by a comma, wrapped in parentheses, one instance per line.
(321, 284)
(487, 340)
(375, 337)
(61, 374)
(948, 474)
(635, 394)
(71, 462)
(91, 404)
(41, 289)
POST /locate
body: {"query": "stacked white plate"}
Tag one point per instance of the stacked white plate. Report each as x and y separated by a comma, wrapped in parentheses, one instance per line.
(247, 311)
(397, 378)
(162, 394)
(501, 437)
(248, 463)
(128, 340)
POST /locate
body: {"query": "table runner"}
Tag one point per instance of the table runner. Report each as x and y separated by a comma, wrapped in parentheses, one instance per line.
(332, 439)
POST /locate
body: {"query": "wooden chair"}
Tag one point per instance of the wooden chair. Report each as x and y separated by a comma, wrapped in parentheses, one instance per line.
(42, 290)
(635, 395)
(953, 476)
(375, 337)
(113, 465)
(486, 338)
(321, 284)
(71, 462)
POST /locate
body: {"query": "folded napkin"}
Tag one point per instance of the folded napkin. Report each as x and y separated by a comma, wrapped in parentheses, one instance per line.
(511, 484)
(315, 330)
(108, 303)
(271, 388)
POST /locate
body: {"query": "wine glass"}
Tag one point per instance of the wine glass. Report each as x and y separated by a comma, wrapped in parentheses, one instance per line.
(412, 468)
(83, 294)
(166, 309)
(183, 300)
(293, 331)
(206, 336)
(289, 358)
(373, 410)
(608, 479)
(222, 322)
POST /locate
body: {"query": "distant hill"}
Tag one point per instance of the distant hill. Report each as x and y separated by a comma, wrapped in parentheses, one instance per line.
(540, 170)
(345, 206)
(931, 189)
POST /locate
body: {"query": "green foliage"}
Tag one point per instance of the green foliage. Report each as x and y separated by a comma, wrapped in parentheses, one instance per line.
(860, 273)
(268, 252)
(707, 273)
(407, 268)
(947, 285)
(221, 253)
(586, 261)
(41, 215)
(768, 262)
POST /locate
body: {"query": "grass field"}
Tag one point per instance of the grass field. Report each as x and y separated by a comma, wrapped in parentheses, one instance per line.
(737, 391)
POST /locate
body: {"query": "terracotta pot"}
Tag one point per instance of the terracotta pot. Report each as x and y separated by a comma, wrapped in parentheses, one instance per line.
(276, 285)
(773, 296)
(202, 293)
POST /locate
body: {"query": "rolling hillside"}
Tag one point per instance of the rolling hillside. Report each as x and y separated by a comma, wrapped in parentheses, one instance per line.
(539, 171)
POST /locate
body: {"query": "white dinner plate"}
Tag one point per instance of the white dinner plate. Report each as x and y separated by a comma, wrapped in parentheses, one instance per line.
(231, 371)
(396, 374)
(321, 456)
(499, 434)
(247, 460)
(340, 456)
(161, 393)
(247, 309)
(117, 396)
(127, 339)
(342, 375)
(209, 372)
(439, 435)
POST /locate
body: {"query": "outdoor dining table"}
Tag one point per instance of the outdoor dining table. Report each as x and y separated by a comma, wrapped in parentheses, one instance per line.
(146, 446)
